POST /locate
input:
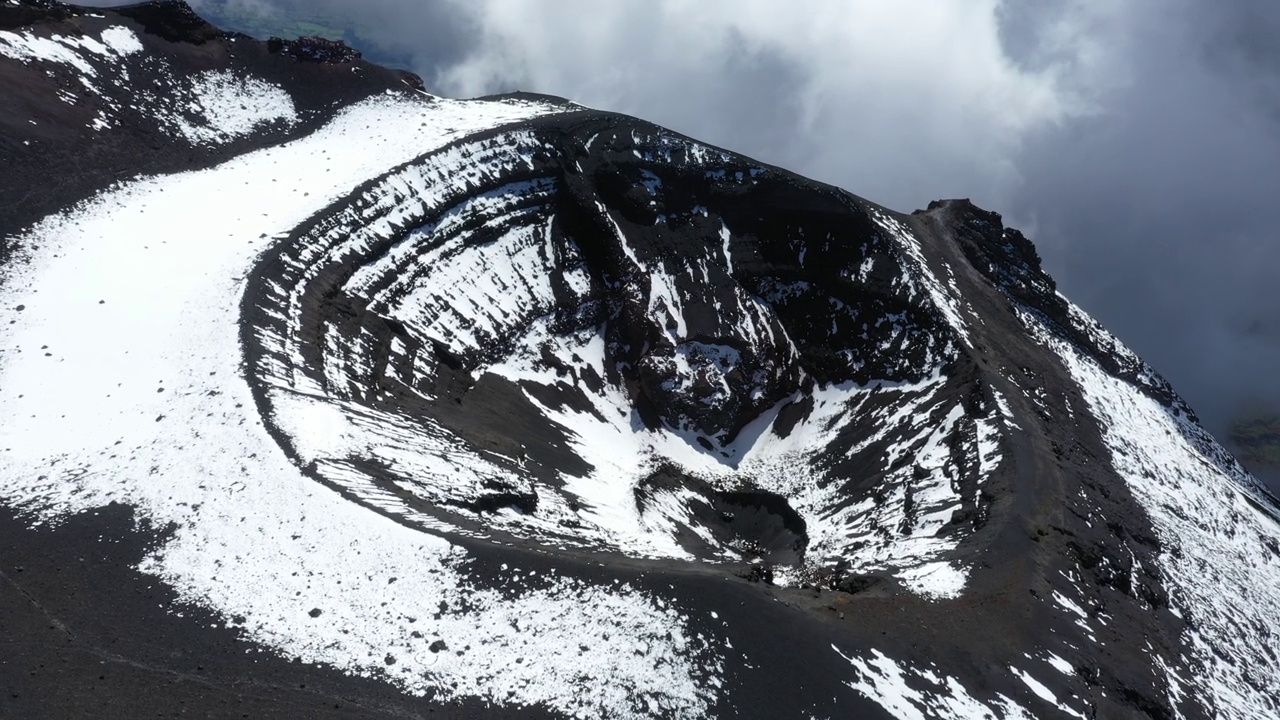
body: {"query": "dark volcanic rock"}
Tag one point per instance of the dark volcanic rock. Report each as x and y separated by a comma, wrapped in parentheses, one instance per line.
(314, 49)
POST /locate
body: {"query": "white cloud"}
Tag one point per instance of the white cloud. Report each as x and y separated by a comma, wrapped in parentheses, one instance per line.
(901, 102)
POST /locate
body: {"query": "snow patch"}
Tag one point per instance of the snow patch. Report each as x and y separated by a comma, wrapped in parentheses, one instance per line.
(937, 580)
(121, 40)
(1043, 692)
(227, 106)
(116, 42)
(909, 693)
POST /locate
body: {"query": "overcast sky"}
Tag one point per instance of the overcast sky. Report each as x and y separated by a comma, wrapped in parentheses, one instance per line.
(1137, 142)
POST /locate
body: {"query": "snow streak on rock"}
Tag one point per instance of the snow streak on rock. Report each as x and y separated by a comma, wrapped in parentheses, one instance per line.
(949, 304)
(1221, 538)
(120, 381)
(938, 580)
(92, 62)
(913, 694)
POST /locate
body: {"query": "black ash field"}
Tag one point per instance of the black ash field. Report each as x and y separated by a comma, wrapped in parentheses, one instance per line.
(323, 396)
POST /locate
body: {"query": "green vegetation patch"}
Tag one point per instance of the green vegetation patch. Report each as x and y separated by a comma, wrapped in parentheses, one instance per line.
(291, 19)
(262, 21)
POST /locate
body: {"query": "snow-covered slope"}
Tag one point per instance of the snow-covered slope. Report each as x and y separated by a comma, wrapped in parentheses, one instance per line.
(517, 403)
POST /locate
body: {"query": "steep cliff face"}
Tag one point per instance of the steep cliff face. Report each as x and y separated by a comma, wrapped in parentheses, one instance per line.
(515, 406)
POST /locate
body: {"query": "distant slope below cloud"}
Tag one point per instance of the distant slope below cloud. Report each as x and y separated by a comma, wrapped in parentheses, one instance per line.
(1257, 440)
(349, 22)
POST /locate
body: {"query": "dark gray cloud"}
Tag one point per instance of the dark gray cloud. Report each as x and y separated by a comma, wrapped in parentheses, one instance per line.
(1137, 142)
(1157, 214)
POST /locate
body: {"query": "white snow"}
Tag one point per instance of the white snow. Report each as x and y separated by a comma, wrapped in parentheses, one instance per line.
(725, 237)
(227, 106)
(938, 580)
(121, 40)
(988, 441)
(897, 688)
(1060, 665)
(1035, 686)
(910, 693)
(115, 42)
(1067, 604)
(211, 107)
(1005, 412)
(120, 381)
(1044, 693)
